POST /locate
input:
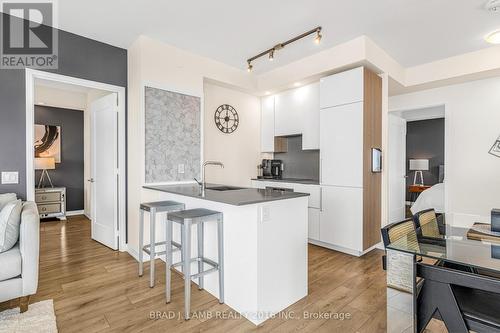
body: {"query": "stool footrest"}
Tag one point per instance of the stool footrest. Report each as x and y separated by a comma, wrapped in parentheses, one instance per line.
(213, 264)
(147, 248)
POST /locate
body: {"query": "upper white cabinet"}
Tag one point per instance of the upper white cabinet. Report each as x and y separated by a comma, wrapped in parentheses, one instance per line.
(267, 125)
(287, 114)
(342, 88)
(341, 149)
(310, 116)
(297, 112)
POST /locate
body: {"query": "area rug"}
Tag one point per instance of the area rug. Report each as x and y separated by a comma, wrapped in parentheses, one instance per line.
(40, 317)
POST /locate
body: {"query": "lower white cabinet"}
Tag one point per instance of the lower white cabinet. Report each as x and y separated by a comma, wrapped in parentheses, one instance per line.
(314, 223)
(341, 217)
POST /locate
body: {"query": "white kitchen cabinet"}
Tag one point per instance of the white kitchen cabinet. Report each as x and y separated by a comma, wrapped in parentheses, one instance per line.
(297, 112)
(267, 125)
(342, 88)
(314, 219)
(287, 116)
(313, 190)
(341, 145)
(341, 217)
(309, 113)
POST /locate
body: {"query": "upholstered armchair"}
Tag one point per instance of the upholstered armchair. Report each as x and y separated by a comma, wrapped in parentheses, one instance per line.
(19, 265)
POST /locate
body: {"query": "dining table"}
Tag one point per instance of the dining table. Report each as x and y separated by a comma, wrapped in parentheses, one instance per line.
(452, 276)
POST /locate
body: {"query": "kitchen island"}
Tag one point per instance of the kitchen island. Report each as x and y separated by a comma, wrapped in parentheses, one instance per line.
(265, 244)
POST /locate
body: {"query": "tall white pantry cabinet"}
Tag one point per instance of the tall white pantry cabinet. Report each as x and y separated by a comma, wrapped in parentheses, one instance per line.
(350, 126)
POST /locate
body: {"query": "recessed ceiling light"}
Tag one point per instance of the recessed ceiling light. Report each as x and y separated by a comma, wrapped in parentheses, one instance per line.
(41, 103)
(268, 93)
(493, 38)
(296, 84)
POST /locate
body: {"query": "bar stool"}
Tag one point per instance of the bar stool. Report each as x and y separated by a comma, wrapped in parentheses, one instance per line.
(187, 218)
(154, 208)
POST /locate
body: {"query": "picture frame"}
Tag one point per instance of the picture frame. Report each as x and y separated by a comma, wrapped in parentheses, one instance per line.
(495, 149)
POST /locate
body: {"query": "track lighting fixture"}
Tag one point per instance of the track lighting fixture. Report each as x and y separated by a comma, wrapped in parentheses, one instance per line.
(270, 52)
(318, 37)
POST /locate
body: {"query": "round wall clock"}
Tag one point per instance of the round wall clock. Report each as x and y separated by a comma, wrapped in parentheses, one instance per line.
(226, 119)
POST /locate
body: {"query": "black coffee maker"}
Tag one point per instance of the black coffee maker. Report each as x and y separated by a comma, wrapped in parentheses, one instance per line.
(265, 169)
(277, 169)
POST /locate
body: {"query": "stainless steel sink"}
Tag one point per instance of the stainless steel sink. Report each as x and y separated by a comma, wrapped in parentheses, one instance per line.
(224, 188)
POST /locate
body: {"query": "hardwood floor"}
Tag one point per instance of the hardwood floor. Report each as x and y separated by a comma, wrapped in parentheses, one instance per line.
(96, 289)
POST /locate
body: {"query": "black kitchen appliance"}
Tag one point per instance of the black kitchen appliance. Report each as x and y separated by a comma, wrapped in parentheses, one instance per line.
(265, 169)
(277, 169)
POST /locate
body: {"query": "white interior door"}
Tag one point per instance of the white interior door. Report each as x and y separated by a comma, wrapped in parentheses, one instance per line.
(397, 168)
(104, 127)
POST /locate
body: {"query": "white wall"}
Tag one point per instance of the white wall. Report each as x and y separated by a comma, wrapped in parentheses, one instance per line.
(154, 63)
(240, 150)
(60, 98)
(473, 124)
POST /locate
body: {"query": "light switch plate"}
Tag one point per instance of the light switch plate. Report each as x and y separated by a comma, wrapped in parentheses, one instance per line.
(265, 214)
(180, 168)
(10, 177)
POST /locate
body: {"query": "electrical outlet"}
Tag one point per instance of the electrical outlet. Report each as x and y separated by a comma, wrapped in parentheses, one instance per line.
(180, 168)
(265, 213)
(10, 177)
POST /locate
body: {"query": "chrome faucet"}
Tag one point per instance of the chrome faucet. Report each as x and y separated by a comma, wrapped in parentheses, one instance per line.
(203, 183)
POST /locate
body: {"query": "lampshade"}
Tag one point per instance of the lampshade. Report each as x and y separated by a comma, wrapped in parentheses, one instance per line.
(419, 165)
(45, 163)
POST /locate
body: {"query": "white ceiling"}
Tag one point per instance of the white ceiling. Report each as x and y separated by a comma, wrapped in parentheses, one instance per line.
(411, 31)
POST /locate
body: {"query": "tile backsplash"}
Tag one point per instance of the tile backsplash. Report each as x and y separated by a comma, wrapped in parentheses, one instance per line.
(299, 163)
(172, 126)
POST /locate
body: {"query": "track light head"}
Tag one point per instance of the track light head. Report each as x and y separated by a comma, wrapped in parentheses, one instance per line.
(271, 55)
(250, 67)
(318, 37)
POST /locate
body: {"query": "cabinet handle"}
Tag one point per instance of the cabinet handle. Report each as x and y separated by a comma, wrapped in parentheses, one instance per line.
(321, 170)
(320, 199)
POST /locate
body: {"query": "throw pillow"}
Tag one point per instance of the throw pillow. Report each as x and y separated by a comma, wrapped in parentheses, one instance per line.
(10, 223)
(6, 198)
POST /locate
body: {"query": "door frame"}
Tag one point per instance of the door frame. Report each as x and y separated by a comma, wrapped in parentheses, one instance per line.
(447, 146)
(31, 75)
(389, 165)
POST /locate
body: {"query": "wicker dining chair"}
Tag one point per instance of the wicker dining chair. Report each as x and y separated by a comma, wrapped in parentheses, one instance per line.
(427, 224)
(395, 231)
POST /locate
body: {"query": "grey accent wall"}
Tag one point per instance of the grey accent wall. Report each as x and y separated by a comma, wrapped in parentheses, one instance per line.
(299, 163)
(173, 135)
(425, 139)
(70, 172)
(78, 57)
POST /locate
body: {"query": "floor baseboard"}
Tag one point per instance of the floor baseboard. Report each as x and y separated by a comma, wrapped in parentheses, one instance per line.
(75, 212)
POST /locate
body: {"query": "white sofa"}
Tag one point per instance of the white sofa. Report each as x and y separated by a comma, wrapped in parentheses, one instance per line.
(19, 265)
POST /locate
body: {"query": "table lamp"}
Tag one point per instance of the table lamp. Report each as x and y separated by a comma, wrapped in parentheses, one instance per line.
(419, 165)
(44, 164)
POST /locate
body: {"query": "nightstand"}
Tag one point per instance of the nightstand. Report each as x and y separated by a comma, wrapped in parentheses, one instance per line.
(51, 202)
(415, 190)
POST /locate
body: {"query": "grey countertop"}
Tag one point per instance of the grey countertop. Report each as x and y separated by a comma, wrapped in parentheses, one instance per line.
(239, 197)
(290, 180)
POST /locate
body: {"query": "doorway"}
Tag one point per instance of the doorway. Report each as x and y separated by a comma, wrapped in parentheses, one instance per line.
(417, 161)
(103, 183)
